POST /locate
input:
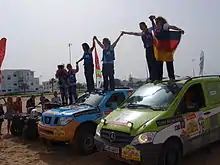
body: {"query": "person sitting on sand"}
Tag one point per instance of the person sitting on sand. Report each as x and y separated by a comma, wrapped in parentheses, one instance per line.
(56, 99)
(30, 104)
(1, 118)
(18, 105)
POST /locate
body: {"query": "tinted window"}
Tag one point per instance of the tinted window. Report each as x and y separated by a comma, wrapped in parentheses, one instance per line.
(116, 97)
(154, 96)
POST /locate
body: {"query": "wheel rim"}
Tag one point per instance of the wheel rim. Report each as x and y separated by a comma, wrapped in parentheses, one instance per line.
(171, 158)
(89, 143)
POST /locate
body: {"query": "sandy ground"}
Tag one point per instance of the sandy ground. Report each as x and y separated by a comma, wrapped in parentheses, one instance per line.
(16, 151)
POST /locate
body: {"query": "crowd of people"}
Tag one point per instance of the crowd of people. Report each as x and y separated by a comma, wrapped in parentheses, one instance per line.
(67, 79)
(15, 107)
(67, 76)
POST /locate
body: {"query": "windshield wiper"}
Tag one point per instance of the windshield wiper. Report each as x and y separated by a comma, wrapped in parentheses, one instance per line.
(144, 106)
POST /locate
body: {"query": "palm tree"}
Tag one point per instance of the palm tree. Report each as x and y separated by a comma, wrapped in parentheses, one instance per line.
(24, 87)
(52, 82)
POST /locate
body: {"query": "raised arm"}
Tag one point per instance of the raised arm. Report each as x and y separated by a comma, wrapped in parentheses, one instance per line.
(152, 18)
(115, 43)
(99, 43)
(80, 60)
(93, 45)
(172, 27)
(132, 33)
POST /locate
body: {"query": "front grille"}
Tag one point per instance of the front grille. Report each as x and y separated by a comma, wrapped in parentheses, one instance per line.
(116, 136)
(47, 119)
(56, 120)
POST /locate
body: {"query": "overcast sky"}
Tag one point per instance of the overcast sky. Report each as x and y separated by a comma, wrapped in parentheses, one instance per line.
(38, 32)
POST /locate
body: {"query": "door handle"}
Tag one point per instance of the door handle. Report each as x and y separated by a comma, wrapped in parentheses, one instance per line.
(207, 113)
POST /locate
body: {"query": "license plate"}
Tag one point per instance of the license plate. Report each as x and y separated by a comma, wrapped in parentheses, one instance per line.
(131, 153)
(114, 150)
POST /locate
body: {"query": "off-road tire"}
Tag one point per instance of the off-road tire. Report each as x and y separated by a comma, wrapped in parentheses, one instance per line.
(17, 127)
(85, 140)
(171, 153)
(30, 130)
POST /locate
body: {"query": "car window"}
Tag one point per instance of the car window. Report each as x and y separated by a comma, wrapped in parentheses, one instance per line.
(117, 98)
(192, 100)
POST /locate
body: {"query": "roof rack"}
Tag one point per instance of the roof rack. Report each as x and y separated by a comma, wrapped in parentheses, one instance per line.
(206, 76)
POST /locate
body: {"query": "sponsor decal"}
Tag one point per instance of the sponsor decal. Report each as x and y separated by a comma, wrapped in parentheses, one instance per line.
(169, 121)
(118, 123)
(87, 112)
(192, 127)
(131, 153)
(191, 116)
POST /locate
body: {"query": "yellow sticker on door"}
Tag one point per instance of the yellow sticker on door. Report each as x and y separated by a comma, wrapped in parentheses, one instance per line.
(131, 153)
(192, 127)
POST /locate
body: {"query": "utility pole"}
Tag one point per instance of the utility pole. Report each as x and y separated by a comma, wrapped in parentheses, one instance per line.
(70, 55)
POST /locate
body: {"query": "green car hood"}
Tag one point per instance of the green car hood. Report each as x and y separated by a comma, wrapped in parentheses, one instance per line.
(118, 119)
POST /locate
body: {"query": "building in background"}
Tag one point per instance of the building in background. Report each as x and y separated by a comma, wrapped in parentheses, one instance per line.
(19, 80)
(50, 86)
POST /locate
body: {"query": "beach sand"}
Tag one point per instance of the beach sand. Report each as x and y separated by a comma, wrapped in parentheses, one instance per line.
(16, 151)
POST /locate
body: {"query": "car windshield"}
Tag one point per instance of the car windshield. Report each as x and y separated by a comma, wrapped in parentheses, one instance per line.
(154, 97)
(90, 99)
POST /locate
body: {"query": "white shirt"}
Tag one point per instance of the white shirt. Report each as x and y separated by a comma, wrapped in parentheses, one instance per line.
(56, 100)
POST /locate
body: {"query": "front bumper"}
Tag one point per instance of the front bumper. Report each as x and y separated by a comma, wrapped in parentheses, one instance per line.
(58, 133)
(148, 153)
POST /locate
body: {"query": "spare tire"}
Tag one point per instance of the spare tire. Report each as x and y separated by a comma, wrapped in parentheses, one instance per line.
(31, 130)
(17, 125)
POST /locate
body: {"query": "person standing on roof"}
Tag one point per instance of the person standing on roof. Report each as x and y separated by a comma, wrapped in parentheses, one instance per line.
(108, 59)
(147, 39)
(88, 66)
(161, 25)
(62, 76)
(72, 83)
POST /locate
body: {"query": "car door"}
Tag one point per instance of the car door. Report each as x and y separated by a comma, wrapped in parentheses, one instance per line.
(212, 91)
(196, 118)
(112, 102)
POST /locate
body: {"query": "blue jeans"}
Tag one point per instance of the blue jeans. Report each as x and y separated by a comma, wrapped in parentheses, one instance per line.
(72, 94)
(64, 96)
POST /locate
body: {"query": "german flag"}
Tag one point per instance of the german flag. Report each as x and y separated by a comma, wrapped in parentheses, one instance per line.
(165, 44)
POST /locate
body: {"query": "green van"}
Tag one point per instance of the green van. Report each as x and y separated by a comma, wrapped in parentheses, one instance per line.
(160, 123)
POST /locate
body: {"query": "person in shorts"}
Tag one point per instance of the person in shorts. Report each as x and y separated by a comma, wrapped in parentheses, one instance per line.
(1, 118)
(18, 105)
(9, 113)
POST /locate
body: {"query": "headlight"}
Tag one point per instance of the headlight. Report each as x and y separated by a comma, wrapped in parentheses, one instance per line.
(143, 138)
(65, 120)
(98, 129)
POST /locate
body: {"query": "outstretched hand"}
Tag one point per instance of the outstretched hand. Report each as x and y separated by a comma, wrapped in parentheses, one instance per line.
(152, 17)
(94, 38)
(182, 31)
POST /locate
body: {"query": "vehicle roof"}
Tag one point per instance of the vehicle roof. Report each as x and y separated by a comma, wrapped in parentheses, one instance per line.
(184, 80)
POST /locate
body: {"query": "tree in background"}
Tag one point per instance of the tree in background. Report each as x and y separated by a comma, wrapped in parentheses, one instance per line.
(52, 82)
(24, 86)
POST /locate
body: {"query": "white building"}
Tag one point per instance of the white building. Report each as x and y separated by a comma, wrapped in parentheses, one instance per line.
(47, 86)
(19, 80)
